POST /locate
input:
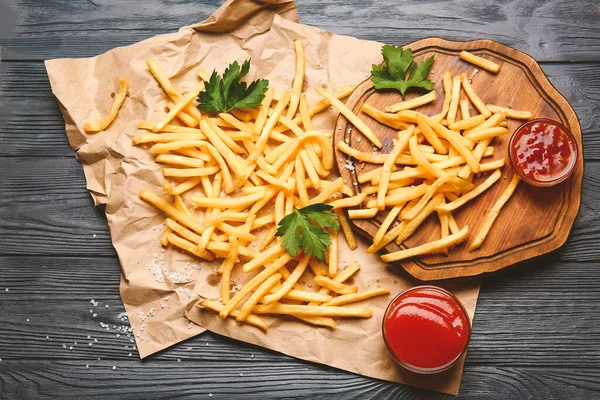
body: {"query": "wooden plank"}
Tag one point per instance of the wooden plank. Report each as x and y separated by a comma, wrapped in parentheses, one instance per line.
(81, 29)
(540, 303)
(227, 380)
(31, 124)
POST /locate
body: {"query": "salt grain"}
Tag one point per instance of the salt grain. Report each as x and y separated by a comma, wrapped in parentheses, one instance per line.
(179, 360)
(47, 337)
(70, 347)
(241, 374)
(114, 367)
(64, 346)
(129, 355)
(27, 320)
(6, 290)
(99, 359)
(107, 306)
(190, 349)
(210, 395)
(94, 235)
(94, 315)
(87, 366)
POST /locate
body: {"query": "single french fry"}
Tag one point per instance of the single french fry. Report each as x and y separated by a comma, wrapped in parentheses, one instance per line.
(494, 212)
(347, 229)
(464, 109)
(387, 119)
(451, 116)
(479, 61)
(365, 213)
(102, 124)
(493, 178)
(488, 133)
(295, 294)
(218, 307)
(341, 107)
(173, 159)
(452, 225)
(467, 123)
(402, 197)
(148, 125)
(477, 102)
(189, 172)
(444, 227)
(333, 254)
(412, 103)
(354, 297)
(510, 113)
(305, 114)
(492, 165)
(447, 83)
(187, 119)
(262, 112)
(320, 311)
(234, 162)
(227, 266)
(348, 201)
(240, 202)
(317, 267)
(298, 81)
(165, 137)
(426, 248)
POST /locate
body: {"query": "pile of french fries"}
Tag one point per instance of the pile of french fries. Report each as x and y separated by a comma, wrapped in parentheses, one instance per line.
(232, 178)
(431, 167)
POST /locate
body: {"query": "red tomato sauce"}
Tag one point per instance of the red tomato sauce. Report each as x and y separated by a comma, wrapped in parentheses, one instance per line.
(543, 151)
(426, 328)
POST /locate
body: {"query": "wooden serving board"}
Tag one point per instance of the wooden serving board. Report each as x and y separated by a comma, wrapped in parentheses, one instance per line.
(535, 221)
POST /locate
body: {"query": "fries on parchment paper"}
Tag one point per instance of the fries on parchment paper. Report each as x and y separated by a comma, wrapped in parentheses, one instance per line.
(234, 176)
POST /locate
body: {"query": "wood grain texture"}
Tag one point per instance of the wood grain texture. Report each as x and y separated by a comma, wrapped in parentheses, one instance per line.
(535, 221)
(535, 334)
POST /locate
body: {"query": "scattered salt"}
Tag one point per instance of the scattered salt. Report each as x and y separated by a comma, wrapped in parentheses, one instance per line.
(114, 367)
(87, 366)
(94, 235)
(6, 290)
(94, 315)
(210, 395)
(179, 360)
(107, 306)
(241, 374)
(27, 320)
(129, 355)
(47, 337)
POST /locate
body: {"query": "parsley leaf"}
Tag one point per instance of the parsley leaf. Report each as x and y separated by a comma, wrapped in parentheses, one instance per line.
(226, 93)
(304, 230)
(399, 62)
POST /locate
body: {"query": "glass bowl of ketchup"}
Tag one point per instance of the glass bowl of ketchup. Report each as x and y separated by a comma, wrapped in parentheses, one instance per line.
(426, 329)
(543, 152)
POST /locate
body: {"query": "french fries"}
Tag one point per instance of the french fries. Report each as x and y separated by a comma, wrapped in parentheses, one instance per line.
(102, 124)
(267, 161)
(479, 61)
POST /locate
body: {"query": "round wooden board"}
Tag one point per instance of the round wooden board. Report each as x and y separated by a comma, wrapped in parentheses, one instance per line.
(535, 221)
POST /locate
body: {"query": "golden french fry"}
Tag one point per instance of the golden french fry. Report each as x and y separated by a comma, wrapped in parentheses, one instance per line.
(422, 161)
(431, 137)
(447, 82)
(102, 124)
(268, 128)
(488, 133)
(493, 178)
(426, 248)
(320, 311)
(456, 140)
(451, 116)
(464, 109)
(341, 107)
(227, 266)
(479, 61)
(348, 201)
(387, 222)
(347, 229)
(171, 211)
(412, 103)
(354, 297)
(333, 254)
(467, 123)
(510, 113)
(363, 213)
(298, 79)
(189, 172)
(477, 102)
(494, 212)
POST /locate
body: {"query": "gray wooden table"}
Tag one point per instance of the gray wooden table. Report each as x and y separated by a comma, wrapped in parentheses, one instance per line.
(537, 329)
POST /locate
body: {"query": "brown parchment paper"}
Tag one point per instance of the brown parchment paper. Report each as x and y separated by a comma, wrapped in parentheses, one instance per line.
(159, 287)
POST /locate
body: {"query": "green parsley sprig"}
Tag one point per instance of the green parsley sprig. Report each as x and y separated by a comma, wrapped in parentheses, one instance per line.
(304, 230)
(400, 72)
(226, 93)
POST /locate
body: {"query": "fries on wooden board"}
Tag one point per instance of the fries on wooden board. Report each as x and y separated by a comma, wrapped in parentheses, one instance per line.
(431, 165)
